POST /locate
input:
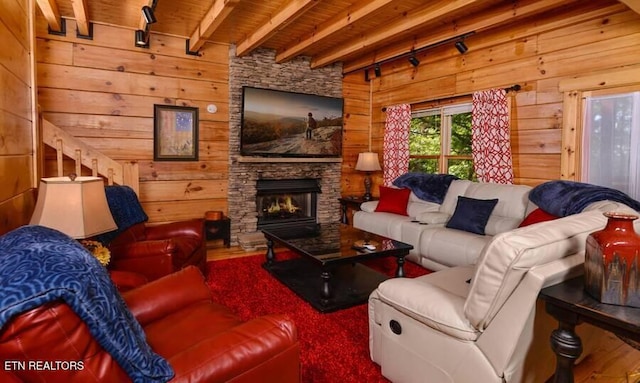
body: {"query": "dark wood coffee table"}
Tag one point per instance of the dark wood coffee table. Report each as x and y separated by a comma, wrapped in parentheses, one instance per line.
(329, 274)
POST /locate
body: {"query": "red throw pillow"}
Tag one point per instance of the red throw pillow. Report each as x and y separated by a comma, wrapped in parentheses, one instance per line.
(536, 216)
(393, 200)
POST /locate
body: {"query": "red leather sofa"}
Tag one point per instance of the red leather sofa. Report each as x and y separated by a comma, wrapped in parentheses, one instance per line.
(202, 340)
(155, 251)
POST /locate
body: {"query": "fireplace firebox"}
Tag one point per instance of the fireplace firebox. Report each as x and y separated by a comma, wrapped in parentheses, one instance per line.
(287, 203)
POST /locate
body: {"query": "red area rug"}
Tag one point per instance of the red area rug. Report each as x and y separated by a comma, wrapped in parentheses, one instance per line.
(334, 346)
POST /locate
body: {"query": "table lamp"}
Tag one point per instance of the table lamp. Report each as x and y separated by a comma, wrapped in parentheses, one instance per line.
(76, 206)
(368, 162)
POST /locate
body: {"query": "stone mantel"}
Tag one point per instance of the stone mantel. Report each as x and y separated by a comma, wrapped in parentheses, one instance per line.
(255, 160)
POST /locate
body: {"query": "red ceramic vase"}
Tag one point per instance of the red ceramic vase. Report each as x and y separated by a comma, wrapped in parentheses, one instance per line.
(611, 262)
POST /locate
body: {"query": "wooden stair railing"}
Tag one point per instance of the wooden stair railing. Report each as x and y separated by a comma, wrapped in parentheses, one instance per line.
(67, 145)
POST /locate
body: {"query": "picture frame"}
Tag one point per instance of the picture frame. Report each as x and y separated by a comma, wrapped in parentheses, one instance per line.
(277, 123)
(175, 133)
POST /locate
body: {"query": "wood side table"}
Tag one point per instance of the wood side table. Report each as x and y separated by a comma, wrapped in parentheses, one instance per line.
(351, 202)
(219, 229)
(571, 305)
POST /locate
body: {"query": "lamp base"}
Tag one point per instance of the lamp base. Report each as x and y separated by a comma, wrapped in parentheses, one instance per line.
(367, 187)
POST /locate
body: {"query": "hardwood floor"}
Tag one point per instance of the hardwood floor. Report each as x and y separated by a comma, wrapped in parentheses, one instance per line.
(613, 362)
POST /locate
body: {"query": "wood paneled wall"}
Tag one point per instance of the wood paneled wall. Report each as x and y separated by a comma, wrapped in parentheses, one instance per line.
(103, 91)
(538, 53)
(16, 115)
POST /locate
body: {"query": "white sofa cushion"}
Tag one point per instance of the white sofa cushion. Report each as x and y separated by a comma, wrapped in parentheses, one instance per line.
(456, 188)
(433, 217)
(511, 208)
(385, 224)
(506, 259)
(450, 247)
(414, 208)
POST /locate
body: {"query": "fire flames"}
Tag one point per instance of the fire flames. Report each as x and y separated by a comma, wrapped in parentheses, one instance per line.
(283, 204)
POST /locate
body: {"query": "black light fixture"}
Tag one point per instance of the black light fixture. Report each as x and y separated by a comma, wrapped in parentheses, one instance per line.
(414, 60)
(461, 47)
(147, 13)
(377, 70)
(142, 39)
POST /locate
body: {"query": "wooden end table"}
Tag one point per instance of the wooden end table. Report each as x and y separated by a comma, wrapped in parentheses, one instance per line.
(350, 202)
(571, 305)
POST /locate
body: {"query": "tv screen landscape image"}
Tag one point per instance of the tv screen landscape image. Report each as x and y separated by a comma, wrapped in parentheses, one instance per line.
(286, 124)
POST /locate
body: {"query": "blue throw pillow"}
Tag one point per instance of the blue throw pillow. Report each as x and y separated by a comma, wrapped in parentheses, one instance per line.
(472, 214)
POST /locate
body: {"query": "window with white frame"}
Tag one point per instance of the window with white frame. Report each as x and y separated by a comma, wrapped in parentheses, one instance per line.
(440, 141)
(611, 141)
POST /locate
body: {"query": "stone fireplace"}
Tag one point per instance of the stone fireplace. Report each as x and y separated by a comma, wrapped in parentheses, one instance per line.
(259, 69)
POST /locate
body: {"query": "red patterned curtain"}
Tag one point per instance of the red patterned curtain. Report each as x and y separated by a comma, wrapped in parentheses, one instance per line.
(491, 144)
(396, 142)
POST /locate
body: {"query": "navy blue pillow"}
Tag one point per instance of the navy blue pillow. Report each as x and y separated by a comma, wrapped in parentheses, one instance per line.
(472, 214)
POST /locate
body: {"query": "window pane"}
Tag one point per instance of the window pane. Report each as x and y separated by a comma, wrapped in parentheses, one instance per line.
(609, 136)
(463, 169)
(423, 165)
(424, 135)
(461, 134)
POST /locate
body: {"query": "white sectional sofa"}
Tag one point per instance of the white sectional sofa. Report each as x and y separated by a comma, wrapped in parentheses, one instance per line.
(436, 246)
(477, 317)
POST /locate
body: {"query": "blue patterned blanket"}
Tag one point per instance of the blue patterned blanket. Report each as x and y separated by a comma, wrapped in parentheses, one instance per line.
(563, 198)
(40, 265)
(426, 186)
(125, 209)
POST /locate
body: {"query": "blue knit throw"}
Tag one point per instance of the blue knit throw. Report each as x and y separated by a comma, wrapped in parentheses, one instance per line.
(125, 209)
(563, 198)
(426, 186)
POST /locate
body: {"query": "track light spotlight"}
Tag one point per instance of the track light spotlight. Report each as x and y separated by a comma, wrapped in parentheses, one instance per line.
(414, 61)
(377, 70)
(147, 13)
(142, 38)
(461, 47)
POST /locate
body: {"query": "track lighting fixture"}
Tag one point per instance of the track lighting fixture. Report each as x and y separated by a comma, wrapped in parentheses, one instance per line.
(414, 60)
(461, 47)
(411, 55)
(147, 13)
(377, 70)
(142, 39)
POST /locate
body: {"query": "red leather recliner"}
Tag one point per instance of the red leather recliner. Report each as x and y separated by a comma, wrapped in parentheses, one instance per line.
(150, 250)
(202, 341)
(155, 251)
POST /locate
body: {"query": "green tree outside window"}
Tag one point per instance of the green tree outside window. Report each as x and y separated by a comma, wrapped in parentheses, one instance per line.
(440, 141)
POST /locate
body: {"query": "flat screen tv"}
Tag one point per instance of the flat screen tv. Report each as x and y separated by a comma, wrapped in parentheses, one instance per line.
(286, 124)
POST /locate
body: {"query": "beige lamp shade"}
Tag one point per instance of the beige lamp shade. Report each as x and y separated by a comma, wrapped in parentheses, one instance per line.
(77, 208)
(368, 162)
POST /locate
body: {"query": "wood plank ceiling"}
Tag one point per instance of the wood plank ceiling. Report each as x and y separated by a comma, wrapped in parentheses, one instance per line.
(357, 33)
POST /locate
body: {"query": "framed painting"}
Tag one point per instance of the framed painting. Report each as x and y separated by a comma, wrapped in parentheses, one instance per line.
(175, 133)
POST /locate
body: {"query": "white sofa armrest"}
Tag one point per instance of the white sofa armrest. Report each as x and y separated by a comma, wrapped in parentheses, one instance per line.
(369, 206)
(433, 217)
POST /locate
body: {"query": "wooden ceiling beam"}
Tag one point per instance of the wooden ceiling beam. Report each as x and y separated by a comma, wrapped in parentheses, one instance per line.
(287, 14)
(474, 23)
(218, 12)
(333, 27)
(633, 4)
(81, 13)
(400, 26)
(51, 13)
